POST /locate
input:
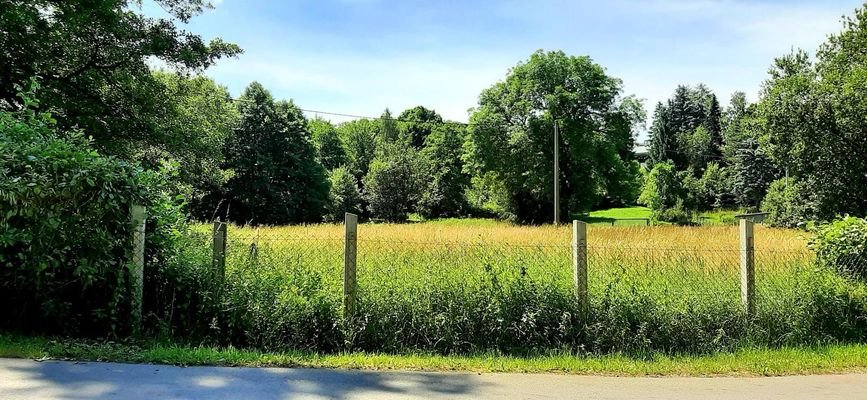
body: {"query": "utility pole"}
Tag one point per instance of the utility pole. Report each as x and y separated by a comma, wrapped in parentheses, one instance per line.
(556, 174)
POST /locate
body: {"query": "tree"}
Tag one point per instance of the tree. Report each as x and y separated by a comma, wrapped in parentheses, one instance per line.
(206, 116)
(388, 131)
(417, 123)
(329, 147)
(359, 136)
(92, 59)
(674, 134)
(344, 195)
(277, 178)
(696, 148)
(713, 124)
(663, 141)
(392, 186)
(717, 185)
(445, 191)
(662, 188)
(813, 121)
(511, 134)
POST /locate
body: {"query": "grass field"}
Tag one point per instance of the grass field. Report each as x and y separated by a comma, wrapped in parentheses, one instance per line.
(744, 362)
(472, 286)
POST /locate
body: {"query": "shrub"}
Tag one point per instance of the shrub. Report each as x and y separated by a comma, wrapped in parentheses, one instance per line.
(65, 237)
(392, 186)
(662, 187)
(785, 204)
(678, 215)
(344, 195)
(842, 245)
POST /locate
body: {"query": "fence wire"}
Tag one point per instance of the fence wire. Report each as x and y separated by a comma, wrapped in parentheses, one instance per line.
(311, 262)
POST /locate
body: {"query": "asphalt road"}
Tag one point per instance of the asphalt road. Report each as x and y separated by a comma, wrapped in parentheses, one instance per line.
(28, 379)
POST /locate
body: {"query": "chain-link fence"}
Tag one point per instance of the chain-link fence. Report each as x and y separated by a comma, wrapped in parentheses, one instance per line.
(416, 270)
(288, 285)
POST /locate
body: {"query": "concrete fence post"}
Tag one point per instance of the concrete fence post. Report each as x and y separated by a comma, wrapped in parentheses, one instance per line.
(138, 218)
(748, 267)
(218, 248)
(350, 256)
(579, 262)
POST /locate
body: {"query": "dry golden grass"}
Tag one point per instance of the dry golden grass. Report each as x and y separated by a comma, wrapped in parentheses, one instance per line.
(664, 237)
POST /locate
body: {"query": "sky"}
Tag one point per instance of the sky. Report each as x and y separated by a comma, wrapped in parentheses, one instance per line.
(360, 56)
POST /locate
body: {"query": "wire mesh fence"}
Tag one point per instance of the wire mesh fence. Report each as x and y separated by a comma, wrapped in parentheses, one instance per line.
(417, 270)
(485, 292)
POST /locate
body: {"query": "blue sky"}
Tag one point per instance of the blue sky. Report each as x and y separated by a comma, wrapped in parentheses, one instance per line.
(361, 56)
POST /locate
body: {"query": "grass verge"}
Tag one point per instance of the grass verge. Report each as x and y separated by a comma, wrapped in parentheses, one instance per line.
(747, 362)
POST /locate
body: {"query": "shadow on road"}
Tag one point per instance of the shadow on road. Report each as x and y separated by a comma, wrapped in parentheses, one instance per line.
(100, 381)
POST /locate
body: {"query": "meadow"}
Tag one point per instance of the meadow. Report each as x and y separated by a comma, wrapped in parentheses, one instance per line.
(464, 286)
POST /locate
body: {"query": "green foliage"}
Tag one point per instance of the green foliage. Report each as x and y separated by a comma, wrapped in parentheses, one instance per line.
(417, 123)
(511, 134)
(204, 116)
(388, 130)
(842, 246)
(64, 229)
(445, 182)
(488, 194)
(92, 59)
(393, 185)
(686, 129)
(360, 138)
(786, 204)
(678, 215)
(697, 146)
(329, 147)
(345, 196)
(813, 113)
(276, 176)
(716, 183)
(662, 188)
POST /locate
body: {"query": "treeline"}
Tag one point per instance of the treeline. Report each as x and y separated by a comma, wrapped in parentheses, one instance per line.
(799, 152)
(282, 168)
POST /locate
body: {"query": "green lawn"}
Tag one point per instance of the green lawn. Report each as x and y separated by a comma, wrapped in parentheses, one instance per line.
(623, 212)
(616, 215)
(755, 362)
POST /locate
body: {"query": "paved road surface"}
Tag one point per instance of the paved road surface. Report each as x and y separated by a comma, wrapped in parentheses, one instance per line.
(27, 379)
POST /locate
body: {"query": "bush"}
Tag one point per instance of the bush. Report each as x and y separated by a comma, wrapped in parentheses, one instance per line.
(392, 186)
(65, 237)
(662, 187)
(344, 195)
(842, 246)
(785, 204)
(677, 215)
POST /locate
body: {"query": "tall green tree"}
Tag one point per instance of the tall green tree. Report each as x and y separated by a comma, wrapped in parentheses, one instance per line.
(277, 178)
(345, 196)
(389, 132)
(813, 121)
(360, 139)
(444, 193)
(417, 123)
(92, 60)
(675, 133)
(713, 124)
(511, 134)
(393, 184)
(329, 146)
(205, 115)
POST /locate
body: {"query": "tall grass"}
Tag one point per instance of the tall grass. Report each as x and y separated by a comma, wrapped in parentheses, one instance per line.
(449, 288)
